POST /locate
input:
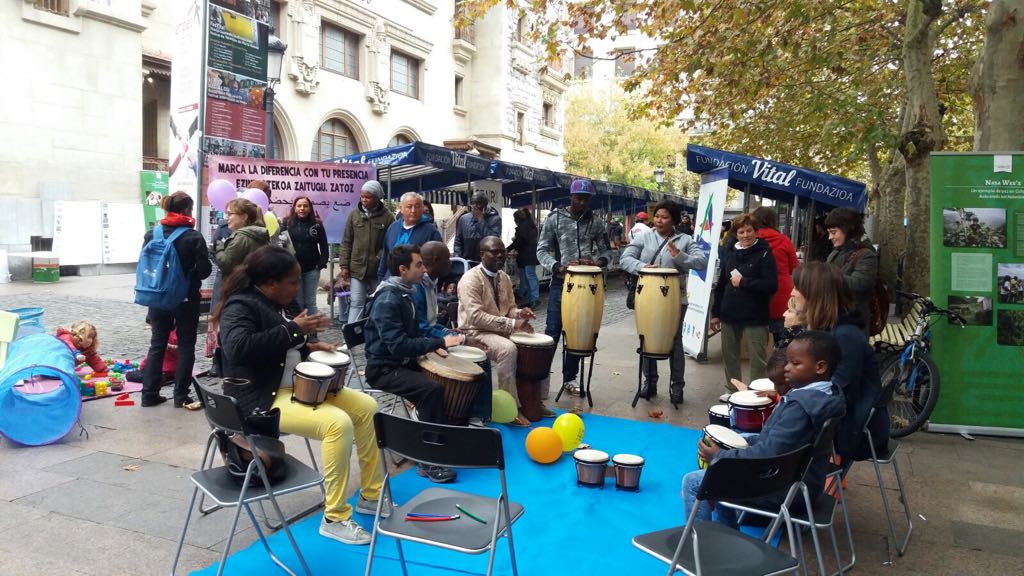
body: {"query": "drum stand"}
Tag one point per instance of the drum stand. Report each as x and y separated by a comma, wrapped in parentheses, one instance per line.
(585, 375)
(640, 369)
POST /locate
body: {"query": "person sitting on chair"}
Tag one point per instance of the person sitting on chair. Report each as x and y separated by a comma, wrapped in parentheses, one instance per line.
(802, 411)
(393, 343)
(488, 315)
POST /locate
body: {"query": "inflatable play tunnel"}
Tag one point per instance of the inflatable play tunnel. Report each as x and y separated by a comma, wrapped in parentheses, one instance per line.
(39, 397)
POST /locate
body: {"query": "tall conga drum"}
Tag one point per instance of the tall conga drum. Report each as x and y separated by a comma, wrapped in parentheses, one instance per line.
(582, 308)
(657, 310)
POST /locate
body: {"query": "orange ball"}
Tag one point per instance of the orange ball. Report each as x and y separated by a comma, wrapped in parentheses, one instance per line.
(544, 445)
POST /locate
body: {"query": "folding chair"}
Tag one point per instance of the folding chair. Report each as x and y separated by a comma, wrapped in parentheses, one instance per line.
(889, 457)
(822, 508)
(453, 314)
(225, 417)
(719, 549)
(8, 329)
(355, 336)
(455, 446)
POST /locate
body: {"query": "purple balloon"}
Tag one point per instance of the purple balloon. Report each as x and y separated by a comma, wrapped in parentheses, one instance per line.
(257, 197)
(220, 192)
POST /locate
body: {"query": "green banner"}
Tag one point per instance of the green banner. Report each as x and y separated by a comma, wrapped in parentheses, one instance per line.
(153, 188)
(977, 269)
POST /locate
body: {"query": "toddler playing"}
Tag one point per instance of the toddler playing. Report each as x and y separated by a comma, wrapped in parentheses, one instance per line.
(83, 341)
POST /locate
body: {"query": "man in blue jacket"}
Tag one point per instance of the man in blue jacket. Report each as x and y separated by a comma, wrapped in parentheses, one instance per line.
(802, 411)
(393, 343)
(414, 228)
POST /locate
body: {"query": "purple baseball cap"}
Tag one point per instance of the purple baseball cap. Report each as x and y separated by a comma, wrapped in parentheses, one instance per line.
(581, 186)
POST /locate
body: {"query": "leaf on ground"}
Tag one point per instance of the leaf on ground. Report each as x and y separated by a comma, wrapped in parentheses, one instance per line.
(655, 413)
(130, 467)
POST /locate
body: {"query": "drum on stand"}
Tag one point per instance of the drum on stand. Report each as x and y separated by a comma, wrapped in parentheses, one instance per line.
(582, 308)
(723, 438)
(749, 410)
(310, 383)
(458, 378)
(337, 360)
(658, 310)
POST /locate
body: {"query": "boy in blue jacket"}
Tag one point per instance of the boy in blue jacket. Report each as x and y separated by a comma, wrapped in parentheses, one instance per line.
(802, 411)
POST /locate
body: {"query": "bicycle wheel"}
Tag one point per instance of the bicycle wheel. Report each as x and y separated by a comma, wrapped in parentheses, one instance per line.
(912, 391)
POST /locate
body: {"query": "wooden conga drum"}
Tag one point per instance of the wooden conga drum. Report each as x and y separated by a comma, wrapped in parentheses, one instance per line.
(582, 308)
(458, 378)
(658, 310)
(534, 354)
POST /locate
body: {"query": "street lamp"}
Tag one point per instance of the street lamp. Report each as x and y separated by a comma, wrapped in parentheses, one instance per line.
(275, 59)
(659, 177)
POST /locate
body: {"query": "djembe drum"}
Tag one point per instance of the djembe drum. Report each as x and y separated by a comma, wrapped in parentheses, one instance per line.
(534, 354)
(658, 310)
(460, 380)
(582, 308)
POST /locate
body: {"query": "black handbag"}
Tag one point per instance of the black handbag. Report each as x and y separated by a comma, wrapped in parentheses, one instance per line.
(632, 279)
(264, 429)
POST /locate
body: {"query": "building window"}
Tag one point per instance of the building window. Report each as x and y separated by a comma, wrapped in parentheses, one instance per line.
(583, 65)
(332, 140)
(55, 6)
(340, 51)
(399, 140)
(459, 101)
(625, 63)
(405, 75)
(520, 128)
(276, 19)
(549, 115)
(275, 153)
(522, 29)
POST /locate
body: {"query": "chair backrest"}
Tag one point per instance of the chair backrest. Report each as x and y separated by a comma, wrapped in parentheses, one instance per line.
(221, 410)
(744, 479)
(438, 444)
(354, 333)
(826, 437)
(453, 313)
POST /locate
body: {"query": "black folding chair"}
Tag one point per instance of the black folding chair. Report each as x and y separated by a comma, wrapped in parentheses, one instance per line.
(453, 446)
(718, 549)
(224, 416)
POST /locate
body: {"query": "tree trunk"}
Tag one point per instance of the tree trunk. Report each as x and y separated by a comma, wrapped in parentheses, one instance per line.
(921, 135)
(997, 81)
(891, 235)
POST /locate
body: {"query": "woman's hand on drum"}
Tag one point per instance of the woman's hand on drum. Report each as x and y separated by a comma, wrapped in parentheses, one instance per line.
(707, 453)
(312, 323)
(739, 384)
(672, 250)
(716, 324)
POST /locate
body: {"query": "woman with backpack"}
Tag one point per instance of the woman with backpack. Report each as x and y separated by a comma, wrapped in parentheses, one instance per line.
(855, 258)
(310, 242)
(195, 264)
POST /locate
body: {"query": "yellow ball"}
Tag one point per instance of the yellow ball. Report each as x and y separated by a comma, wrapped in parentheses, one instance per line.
(543, 445)
(570, 429)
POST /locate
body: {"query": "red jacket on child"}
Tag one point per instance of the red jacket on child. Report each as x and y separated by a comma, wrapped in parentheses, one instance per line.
(91, 357)
(170, 355)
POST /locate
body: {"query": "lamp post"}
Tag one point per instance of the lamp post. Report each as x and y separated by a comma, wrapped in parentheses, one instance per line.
(275, 59)
(659, 177)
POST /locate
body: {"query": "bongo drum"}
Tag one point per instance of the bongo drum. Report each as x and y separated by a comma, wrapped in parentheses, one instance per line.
(458, 378)
(658, 309)
(723, 438)
(749, 411)
(582, 308)
(336, 360)
(534, 353)
(627, 471)
(310, 383)
(719, 414)
(762, 385)
(591, 466)
(470, 353)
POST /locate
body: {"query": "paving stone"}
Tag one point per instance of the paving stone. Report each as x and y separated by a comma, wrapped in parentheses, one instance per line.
(16, 482)
(120, 471)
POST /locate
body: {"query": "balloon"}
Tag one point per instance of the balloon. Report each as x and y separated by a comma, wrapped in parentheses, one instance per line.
(220, 192)
(270, 219)
(257, 197)
(569, 428)
(543, 445)
(503, 407)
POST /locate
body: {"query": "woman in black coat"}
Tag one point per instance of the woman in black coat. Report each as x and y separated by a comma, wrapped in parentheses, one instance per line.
(747, 280)
(524, 242)
(310, 241)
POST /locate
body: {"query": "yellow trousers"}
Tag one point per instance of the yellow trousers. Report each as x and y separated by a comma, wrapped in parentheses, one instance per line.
(335, 422)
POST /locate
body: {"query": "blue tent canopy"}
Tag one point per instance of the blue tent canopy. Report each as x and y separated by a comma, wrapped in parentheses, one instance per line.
(778, 181)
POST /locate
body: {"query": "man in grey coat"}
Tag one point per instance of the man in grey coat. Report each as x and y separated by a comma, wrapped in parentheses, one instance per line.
(473, 226)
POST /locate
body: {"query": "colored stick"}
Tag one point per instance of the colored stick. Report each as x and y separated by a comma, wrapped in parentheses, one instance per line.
(470, 514)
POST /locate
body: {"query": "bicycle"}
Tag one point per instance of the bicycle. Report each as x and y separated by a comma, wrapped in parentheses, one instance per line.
(910, 378)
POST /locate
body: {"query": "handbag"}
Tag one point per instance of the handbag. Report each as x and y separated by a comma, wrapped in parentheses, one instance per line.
(632, 279)
(264, 429)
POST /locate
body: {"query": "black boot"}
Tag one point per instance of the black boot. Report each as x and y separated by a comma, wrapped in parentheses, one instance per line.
(675, 394)
(649, 389)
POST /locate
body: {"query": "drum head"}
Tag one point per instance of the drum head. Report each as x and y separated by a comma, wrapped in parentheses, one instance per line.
(762, 385)
(330, 358)
(628, 459)
(450, 367)
(659, 271)
(581, 269)
(471, 353)
(749, 399)
(532, 339)
(591, 456)
(719, 409)
(725, 436)
(314, 369)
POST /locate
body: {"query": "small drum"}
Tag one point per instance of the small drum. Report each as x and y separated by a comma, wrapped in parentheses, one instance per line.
(582, 308)
(723, 437)
(534, 353)
(591, 466)
(658, 309)
(627, 471)
(749, 411)
(459, 378)
(762, 385)
(719, 415)
(310, 383)
(336, 360)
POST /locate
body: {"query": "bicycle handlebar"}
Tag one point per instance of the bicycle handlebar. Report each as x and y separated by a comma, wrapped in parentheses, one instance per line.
(931, 308)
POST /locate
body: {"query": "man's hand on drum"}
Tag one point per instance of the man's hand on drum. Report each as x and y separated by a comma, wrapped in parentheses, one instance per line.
(526, 313)
(523, 325)
(454, 340)
(312, 323)
(707, 452)
(716, 324)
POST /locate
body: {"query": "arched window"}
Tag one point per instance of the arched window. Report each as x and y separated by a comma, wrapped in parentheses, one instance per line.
(275, 154)
(398, 140)
(334, 139)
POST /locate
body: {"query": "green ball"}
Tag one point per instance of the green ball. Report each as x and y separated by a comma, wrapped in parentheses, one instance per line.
(503, 407)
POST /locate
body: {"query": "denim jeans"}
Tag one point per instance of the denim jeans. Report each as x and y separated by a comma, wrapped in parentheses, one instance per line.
(310, 281)
(691, 485)
(553, 328)
(357, 299)
(185, 319)
(529, 286)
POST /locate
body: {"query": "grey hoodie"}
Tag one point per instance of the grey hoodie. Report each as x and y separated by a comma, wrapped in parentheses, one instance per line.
(641, 251)
(565, 238)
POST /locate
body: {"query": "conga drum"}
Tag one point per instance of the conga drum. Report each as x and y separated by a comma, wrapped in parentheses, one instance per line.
(582, 308)
(658, 310)
(723, 438)
(458, 378)
(749, 411)
(310, 383)
(336, 360)
(534, 353)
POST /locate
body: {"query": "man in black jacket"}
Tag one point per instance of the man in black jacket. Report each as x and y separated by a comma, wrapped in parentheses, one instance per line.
(393, 343)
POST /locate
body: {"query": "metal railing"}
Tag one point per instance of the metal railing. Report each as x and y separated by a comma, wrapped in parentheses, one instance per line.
(55, 6)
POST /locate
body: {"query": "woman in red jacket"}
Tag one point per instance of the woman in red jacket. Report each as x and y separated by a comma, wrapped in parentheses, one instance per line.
(785, 263)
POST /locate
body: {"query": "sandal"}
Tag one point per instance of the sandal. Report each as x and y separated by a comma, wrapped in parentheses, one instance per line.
(520, 421)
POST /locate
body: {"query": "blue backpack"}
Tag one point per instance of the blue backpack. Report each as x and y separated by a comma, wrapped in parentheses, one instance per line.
(159, 280)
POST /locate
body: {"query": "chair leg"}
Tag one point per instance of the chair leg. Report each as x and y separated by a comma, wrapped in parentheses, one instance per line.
(287, 529)
(231, 536)
(511, 548)
(819, 556)
(184, 529)
(902, 548)
(266, 545)
(273, 525)
(846, 526)
(401, 557)
(885, 502)
(835, 547)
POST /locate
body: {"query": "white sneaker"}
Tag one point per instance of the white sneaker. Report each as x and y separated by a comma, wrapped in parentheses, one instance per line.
(571, 388)
(477, 422)
(365, 506)
(345, 531)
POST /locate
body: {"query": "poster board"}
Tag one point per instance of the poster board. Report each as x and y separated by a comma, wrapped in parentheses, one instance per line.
(123, 229)
(977, 270)
(77, 232)
(152, 188)
(714, 187)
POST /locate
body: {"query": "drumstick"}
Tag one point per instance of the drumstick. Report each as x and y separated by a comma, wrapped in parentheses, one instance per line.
(431, 518)
(470, 514)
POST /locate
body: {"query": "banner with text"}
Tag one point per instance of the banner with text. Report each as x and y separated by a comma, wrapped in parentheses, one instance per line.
(714, 187)
(332, 188)
(185, 96)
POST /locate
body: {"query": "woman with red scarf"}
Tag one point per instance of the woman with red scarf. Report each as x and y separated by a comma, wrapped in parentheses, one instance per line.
(195, 262)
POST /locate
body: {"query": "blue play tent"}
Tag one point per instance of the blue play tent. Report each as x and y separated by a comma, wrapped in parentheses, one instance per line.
(37, 419)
